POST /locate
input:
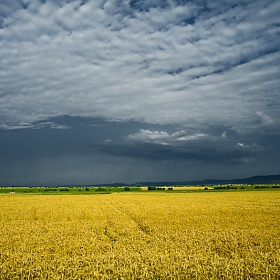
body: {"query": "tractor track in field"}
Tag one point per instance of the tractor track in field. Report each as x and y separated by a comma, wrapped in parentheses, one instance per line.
(143, 228)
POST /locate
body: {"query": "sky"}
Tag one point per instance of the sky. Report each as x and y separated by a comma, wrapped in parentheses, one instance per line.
(107, 91)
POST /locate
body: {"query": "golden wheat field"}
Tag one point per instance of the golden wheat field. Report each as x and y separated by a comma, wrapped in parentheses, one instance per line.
(221, 235)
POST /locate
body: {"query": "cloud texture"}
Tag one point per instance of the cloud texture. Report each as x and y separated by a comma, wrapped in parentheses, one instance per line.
(140, 60)
(210, 69)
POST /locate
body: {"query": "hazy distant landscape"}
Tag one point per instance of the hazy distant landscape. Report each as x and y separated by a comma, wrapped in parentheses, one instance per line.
(268, 180)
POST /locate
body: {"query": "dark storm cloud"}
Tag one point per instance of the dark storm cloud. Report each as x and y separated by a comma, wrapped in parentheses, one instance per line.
(168, 80)
(95, 151)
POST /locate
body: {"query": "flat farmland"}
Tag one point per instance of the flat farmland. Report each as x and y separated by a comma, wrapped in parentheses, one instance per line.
(205, 235)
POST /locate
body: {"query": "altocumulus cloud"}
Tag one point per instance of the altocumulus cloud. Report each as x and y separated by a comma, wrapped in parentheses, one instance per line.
(207, 69)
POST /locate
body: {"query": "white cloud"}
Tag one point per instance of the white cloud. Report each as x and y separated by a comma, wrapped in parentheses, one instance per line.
(252, 147)
(163, 138)
(148, 136)
(241, 145)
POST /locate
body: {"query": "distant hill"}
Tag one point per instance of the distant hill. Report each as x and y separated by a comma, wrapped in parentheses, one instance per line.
(250, 180)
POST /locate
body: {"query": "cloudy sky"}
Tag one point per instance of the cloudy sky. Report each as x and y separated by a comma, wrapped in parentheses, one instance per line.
(105, 91)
